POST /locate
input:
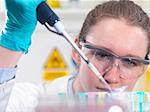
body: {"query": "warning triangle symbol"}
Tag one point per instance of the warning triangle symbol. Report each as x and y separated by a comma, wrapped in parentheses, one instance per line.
(55, 60)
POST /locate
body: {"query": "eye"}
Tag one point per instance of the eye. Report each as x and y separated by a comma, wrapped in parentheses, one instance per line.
(101, 55)
(130, 62)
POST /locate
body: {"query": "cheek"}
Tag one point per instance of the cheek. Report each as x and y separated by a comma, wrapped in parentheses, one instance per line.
(87, 78)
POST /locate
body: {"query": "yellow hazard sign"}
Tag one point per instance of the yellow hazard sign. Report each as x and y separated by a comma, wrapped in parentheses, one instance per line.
(55, 66)
(55, 60)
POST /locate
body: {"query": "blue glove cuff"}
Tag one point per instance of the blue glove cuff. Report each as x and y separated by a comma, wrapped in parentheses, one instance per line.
(9, 40)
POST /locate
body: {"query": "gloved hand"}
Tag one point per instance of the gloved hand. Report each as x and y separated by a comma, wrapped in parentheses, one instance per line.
(20, 24)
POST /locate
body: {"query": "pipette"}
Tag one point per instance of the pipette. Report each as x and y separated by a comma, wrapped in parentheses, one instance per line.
(47, 17)
(86, 60)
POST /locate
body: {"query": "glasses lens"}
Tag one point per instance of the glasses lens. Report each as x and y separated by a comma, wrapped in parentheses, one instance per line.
(100, 58)
(131, 68)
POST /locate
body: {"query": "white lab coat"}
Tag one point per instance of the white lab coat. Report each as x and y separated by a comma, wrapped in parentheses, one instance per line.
(5, 91)
(25, 96)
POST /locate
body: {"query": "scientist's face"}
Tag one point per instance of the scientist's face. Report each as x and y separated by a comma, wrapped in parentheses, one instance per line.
(115, 48)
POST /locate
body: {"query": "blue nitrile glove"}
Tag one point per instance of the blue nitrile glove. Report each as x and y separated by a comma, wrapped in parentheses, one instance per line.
(20, 24)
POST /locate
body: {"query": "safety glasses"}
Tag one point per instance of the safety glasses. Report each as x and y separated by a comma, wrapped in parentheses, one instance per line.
(105, 60)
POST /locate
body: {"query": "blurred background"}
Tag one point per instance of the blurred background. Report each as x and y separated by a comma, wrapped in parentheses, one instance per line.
(48, 48)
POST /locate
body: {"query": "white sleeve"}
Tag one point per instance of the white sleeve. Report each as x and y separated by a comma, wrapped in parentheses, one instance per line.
(7, 80)
(5, 90)
(24, 97)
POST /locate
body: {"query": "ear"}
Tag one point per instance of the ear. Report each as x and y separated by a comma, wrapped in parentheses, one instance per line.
(75, 55)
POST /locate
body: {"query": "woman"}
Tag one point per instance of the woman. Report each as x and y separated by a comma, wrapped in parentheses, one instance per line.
(115, 37)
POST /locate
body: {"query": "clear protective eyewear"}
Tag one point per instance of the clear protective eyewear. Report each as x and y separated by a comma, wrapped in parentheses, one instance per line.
(104, 60)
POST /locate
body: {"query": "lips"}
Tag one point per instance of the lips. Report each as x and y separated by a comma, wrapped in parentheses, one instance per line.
(103, 89)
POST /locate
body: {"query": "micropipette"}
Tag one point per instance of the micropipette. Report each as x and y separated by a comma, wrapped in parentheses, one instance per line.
(46, 16)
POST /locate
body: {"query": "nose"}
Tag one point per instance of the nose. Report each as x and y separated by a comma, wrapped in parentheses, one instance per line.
(112, 75)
